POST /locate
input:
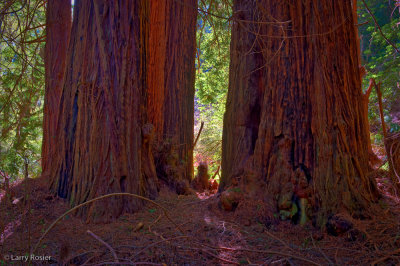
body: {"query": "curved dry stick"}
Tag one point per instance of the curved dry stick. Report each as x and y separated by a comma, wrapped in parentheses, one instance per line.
(330, 262)
(219, 258)
(99, 198)
(267, 251)
(386, 257)
(159, 217)
(105, 244)
(78, 255)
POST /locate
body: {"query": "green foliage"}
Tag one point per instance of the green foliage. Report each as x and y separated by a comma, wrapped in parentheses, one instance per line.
(212, 72)
(380, 59)
(21, 86)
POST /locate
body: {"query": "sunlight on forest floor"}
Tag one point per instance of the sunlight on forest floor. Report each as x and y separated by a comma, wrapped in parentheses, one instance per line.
(9, 229)
(204, 195)
(210, 235)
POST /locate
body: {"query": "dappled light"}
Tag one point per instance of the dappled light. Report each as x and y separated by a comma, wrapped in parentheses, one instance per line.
(199, 132)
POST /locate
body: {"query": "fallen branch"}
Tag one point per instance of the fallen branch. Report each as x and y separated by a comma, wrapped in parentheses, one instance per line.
(330, 262)
(215, 256)
(153, 223)
(386, 257)
(99, 198)
(88, 260)
(158, 242)
(267, 251)
(219, 258)
(105, 244)
(278, 239)
(66, 261)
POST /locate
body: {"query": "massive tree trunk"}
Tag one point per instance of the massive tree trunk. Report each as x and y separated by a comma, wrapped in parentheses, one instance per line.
(171, 77)
(104, 138)
(294, 132)
(58, 20)
(129, 81)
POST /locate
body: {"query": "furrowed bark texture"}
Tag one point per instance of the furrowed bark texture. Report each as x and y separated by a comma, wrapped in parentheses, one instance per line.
(171, 78)
(105, 141)
(58, 20)
(293, 127)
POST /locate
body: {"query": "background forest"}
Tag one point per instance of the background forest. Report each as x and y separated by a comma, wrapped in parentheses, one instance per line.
(22, 27)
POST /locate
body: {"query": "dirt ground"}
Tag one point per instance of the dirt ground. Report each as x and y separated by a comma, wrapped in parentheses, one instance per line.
(199, 233)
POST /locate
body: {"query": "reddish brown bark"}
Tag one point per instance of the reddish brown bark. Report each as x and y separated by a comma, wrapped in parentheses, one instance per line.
(171, 77)
(373, 159)
(129, 81)
(157, 62)
(293, 128)
(104, 138)
(58, 20)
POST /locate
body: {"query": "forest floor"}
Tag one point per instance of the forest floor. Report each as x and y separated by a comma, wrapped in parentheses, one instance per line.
(200, 234)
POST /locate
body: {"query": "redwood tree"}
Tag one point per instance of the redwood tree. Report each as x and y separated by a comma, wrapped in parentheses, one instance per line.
(103, 136)
(294, 132)
(171, 77)
(58, 21)
(129, 81)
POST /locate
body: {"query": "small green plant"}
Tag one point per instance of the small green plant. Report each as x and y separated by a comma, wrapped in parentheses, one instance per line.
(306, 243)
(386, 168)
(243, 261)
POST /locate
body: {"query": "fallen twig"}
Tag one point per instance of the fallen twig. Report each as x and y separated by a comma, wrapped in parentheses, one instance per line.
(219, 258)
(99, 198)
(105, 244)
(267, 251)
(386, 257)
(215, 256)
(320, 251)
(278, 239)
(156, 243)
(66, 261)
(153, 223)
(88, 260)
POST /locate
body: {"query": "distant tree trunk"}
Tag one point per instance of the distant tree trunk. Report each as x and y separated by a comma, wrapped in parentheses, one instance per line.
(58, 20)
(294, 129)
(372, 158)
(171, 77)
(104, 138)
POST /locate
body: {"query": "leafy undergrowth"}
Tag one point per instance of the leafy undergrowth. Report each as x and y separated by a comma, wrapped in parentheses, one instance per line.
(203, 235)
